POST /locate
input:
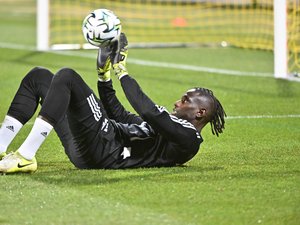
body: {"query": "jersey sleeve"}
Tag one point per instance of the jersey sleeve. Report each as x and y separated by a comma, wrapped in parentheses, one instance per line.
(113, 107)
(176, 130)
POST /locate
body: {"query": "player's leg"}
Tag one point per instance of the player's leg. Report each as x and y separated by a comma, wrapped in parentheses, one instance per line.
(87, 118)
(69, 94)
(32, 89)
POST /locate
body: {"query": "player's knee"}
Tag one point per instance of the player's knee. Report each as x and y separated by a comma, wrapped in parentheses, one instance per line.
(65, 75)
(37, 73)
(38, 69)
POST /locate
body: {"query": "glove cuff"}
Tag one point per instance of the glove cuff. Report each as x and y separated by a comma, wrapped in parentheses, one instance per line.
(120, 70)
(104, 77)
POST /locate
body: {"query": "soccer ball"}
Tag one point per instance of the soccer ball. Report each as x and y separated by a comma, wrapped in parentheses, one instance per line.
(101, 27)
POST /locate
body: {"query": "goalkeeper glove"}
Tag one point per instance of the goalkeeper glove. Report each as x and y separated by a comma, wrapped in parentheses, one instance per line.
(103, 63)
(119, 55)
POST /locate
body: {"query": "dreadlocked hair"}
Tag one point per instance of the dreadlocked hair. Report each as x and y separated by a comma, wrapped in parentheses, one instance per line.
(217, 119)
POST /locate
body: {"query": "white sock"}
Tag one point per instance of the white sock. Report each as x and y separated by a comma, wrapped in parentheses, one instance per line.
(9, 129)
(40, 130)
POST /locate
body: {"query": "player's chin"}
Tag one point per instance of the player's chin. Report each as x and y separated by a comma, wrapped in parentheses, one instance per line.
(174, 113)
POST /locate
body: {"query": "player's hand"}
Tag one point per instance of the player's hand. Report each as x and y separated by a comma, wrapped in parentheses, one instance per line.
(119, 56)
(103, 63)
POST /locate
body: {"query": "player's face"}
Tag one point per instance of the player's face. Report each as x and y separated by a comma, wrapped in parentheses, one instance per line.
(187, 107)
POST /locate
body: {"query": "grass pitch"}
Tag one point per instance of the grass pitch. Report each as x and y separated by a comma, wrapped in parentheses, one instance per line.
(249, 175)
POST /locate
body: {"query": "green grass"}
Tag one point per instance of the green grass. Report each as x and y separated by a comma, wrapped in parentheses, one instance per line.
(249, 175)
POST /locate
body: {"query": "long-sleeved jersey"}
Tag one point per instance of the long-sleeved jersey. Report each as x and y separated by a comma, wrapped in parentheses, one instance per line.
(153, 138)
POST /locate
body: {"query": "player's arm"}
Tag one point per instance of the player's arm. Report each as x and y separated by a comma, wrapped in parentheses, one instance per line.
(172, 128)
(112, 105)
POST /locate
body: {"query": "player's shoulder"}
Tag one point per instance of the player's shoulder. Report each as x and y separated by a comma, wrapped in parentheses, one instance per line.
(161, 108)
(183, 122)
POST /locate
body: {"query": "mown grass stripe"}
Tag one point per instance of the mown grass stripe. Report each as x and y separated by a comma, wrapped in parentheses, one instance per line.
(243, 117)
(149, 63)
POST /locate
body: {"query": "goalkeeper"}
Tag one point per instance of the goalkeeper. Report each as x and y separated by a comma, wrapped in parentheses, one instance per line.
(101, 133)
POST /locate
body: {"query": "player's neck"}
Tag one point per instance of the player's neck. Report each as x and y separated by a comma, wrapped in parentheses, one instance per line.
(199, 125)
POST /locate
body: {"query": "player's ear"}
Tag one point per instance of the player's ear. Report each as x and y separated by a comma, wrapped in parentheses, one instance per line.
(201, 113)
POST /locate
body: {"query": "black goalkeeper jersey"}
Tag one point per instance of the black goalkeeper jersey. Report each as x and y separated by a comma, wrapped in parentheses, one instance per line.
(155, 138)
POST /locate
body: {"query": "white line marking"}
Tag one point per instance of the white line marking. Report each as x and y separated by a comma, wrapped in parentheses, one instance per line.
(148, 63)
(197, 68)
(173, 65)
(17, 46)
(263, 117)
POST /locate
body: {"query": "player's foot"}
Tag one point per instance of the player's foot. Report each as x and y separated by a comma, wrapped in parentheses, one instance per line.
(14, 163)
(119, 55)
(2, 155)
(103, 63)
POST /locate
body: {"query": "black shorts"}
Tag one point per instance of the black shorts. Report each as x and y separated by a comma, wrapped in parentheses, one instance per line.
(94, 137)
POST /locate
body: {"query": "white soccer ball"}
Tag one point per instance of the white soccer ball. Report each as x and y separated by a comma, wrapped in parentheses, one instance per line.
(101, 27)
